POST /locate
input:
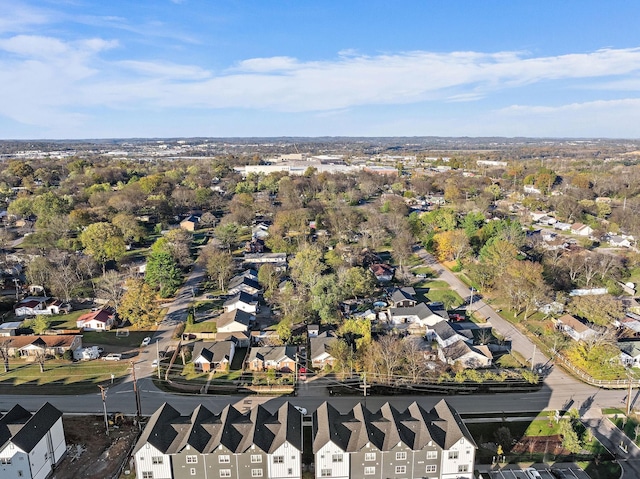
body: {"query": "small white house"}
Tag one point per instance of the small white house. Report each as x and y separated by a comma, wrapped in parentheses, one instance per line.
(581, 229)
(35, 305)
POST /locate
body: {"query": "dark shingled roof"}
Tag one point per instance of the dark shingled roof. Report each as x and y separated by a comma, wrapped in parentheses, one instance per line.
(241, 296)
(204, 431)
(238, 280)
(213, 352)
(26, 430)
(322, 344)
(385, 428)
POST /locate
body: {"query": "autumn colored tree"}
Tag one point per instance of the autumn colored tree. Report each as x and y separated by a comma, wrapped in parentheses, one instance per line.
(104, 242)
(132, 230)
(138, 304)
(219, 265)
(523, 286)
(602, 309)
(306, 267)
(451, 245)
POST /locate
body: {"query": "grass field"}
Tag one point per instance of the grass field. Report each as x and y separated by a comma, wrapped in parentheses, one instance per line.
(109, 338)
(202, 327)
(66, 321)
(60, 376)
(432, 284)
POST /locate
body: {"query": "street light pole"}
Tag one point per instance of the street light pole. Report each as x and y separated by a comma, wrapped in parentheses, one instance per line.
(158, 358)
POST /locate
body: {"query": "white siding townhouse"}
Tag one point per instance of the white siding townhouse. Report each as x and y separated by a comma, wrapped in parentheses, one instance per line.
(414, 443)
(230, 444)
(31, 445)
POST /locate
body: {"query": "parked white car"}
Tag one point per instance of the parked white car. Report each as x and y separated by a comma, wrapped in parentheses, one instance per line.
(112, 357)
(145, 342)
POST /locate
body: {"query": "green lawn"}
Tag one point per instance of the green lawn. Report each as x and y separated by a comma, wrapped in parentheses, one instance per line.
(541, 427)
(208, 305)
(510, 361)
(629, 426)
(432, 284)
(434, 295)
(612, 410)
(60, 376)
(109, 338)
(426, 270)
(66, 321)
(190, 374)
(202, 327)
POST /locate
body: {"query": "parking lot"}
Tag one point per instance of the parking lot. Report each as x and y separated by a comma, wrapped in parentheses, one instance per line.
(570, 473)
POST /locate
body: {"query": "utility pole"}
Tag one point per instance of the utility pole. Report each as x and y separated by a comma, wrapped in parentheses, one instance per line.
(158, 358)
(136, 393)
(629, 395)
(103, 392)
(533, 357)
(295, 375)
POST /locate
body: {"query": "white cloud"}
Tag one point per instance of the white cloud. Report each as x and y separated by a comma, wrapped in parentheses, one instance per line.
(15, 17)
(610, 118)
(46, 74)
(166, 70)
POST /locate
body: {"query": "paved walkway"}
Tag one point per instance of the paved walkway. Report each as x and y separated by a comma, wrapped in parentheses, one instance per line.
(615, 441)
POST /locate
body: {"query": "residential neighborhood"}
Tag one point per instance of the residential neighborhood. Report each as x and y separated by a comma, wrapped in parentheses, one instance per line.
(409, 288)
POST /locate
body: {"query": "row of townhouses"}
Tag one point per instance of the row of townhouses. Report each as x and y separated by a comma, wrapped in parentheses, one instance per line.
(388, 443)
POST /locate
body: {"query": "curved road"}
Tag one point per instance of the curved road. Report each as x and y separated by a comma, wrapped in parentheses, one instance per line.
(559, 391)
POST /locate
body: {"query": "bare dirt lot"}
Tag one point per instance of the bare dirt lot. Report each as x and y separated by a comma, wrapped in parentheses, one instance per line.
(91, 453)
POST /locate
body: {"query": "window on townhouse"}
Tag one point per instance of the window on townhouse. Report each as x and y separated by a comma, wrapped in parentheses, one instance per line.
(278, 459)
(463, 468)
(147, 475)
(192, 459)
(401, 456)
(369, 470)
(256, 458)
(432, 468)
(225, 472)
(370, 456)
(224, 459)
(5, 460)
(289, 472)
(401, 469)
(193, 471)
(156, 460)
(453, 455)
(432, 454)
(325, 473)
(256, 472)
(336, 458)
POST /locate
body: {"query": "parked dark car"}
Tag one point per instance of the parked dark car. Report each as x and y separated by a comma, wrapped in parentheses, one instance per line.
(559, 474)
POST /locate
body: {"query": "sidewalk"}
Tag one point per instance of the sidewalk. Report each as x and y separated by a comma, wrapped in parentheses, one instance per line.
(615, 441)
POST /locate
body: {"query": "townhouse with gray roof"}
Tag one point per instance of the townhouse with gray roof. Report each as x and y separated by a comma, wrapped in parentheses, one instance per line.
(414, 443)
(257, 443)
(31, 445)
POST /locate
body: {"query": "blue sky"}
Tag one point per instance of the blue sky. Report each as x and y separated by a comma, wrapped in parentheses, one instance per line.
(180, 68)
